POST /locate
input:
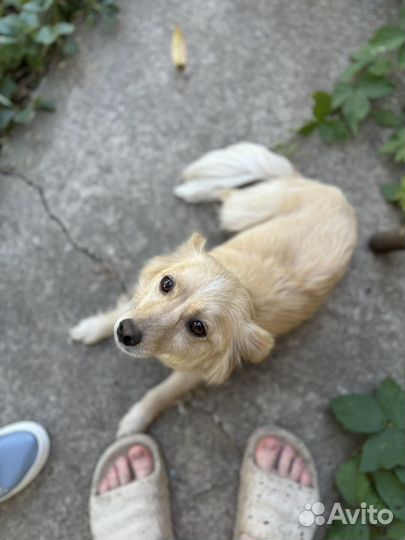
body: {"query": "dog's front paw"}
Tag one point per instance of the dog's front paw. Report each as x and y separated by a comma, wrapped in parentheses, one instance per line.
(136, 420)
(89, 331)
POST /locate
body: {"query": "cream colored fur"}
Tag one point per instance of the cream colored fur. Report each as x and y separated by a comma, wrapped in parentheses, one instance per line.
(297, 239)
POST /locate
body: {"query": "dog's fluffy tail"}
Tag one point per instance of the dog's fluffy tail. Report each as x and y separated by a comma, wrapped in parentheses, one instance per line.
(240, 164)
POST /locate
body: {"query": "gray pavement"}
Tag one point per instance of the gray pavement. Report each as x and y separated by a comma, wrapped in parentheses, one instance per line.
(95, 183)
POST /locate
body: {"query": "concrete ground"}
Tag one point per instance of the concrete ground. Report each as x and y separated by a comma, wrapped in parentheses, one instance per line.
(94, 183)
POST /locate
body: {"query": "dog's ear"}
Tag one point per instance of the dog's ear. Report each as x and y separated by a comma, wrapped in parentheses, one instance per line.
(193, 246)
(255, 343)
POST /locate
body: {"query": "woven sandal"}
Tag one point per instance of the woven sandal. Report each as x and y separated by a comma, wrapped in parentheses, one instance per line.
(269, 505)
(139, 510)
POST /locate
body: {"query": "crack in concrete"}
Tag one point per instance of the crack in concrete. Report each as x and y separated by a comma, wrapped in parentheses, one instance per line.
(106, 267)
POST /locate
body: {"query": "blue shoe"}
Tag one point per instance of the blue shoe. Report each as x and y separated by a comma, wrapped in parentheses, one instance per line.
(24, 450)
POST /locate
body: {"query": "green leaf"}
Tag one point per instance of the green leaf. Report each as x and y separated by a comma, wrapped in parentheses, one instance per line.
(359, 413)
(308, 128)
(400, 154)
(386, 118)
(338, 531)
(402, 17)
(364, 54)
(389, 147)
(347, 478)
(401, 57)
(322, 105)
(395, 144)
(383, 450)
(38, 6)
(352, 70)
(375, 87)
(109, 10)
(29, 20)
(391, 192)
(8, 40)
(401, 201)
(391, 398)
(10, 25)
(356, 108)
(14, 3)
(366, 493)
(377, 534)
(25, 115)
(355, 487)
(8, 87)
(6, 118)
(287, 149)
(363, 58)
(35, 57)
(70, 46)
(392, 492)
(49, 34)
(396, 531)
(381, 66)
(334, 131)
(340, 94)
(44, 105)
(5, 101)
(400, 472)
(63, 28)
(386, 39)
(45, 35)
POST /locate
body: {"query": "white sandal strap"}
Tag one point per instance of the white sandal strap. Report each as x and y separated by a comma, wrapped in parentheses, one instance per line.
(139, 510)
(269, 505)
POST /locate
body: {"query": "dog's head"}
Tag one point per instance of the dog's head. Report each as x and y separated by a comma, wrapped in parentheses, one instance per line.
(193, 314)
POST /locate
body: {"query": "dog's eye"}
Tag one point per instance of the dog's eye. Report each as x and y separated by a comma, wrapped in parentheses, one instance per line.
(166, 284)
(197, 328)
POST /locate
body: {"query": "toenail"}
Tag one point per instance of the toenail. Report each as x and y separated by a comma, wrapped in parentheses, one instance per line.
(271, 443)
(137, 452)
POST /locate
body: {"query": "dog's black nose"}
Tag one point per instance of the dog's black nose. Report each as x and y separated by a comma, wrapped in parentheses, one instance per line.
(128, 333)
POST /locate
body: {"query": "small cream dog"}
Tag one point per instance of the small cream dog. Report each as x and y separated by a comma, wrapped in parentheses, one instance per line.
(202, 313)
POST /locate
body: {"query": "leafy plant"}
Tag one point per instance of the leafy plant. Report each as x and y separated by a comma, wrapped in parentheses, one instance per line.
(375, 475)
(395, 192)
(367, 90)
(31, 33)
(370, 77)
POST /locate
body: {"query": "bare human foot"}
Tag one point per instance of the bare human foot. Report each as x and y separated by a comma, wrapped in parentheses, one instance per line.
(136, 464)
(272, 455)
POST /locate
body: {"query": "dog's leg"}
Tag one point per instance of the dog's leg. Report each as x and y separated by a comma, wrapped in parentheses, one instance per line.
(250, 206)
(156, 400)
(98, 327)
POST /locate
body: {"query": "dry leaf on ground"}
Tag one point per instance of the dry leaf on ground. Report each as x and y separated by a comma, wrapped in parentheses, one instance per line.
(179, 48)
